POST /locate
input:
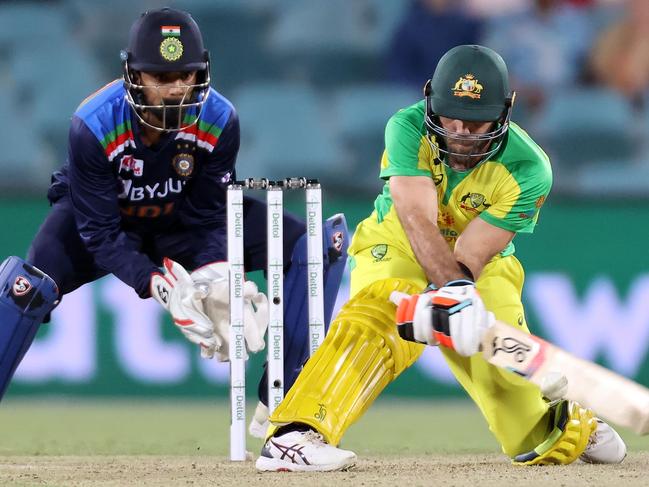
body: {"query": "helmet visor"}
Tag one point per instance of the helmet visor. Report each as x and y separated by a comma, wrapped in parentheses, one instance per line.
(169, 114)
(475, 146)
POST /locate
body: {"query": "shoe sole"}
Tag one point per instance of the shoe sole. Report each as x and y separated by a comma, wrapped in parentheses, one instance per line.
(265, 464)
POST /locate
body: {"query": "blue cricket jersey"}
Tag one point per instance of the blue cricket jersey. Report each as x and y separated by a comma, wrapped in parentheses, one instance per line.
(119, 187)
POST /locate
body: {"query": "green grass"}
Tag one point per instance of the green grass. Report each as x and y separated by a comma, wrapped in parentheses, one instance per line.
(172, 427)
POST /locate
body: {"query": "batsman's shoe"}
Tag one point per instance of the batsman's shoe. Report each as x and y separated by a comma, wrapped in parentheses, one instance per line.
(573, 427)
(302, 451)
(259, 424)
(604, 445)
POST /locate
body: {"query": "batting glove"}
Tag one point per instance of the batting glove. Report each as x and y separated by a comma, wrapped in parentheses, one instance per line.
(453, 316)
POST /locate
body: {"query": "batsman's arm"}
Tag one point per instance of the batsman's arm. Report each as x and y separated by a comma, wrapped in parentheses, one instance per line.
(479, 243)
(415, 200)
(613, 397)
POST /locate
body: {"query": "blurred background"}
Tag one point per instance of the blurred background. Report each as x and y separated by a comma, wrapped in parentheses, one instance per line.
(314, 83)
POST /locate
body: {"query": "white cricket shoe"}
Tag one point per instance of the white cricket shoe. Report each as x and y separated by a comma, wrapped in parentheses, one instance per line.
(259, 424)
(604, 446)
(302, 451)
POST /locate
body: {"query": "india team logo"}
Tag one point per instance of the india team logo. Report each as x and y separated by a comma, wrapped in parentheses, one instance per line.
(183, 164)
(21, 286)
(467, 85)
(171, 49)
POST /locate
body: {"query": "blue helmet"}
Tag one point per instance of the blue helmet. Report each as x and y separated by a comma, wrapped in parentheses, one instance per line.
(166, 40)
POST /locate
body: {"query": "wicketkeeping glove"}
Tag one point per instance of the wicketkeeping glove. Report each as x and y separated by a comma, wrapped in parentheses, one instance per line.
(213, 280)
(176, 292)
(453, 316)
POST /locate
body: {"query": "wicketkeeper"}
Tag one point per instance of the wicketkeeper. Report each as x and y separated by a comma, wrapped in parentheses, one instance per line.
(461, 180)
(144, 187)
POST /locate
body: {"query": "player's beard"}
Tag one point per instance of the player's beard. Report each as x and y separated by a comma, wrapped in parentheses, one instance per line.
(465, 160)
(170, 117)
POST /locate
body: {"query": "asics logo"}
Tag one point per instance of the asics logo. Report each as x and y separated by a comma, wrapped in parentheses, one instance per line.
(291, 452)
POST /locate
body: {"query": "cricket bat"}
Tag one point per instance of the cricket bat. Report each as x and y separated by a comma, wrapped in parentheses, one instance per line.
(611, 396)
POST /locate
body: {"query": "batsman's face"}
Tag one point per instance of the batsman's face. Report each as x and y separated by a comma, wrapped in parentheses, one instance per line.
(462, 127)
(463, 148)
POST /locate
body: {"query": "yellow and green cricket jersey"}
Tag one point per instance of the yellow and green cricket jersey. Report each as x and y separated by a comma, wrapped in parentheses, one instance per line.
(506, 191)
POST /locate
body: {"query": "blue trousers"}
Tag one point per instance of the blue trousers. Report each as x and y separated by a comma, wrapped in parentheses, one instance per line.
(59, 251)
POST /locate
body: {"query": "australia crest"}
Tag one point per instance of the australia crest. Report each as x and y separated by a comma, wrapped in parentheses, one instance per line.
(468, 85)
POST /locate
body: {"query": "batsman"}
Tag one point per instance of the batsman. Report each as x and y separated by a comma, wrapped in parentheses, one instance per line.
(142, 196)
(461, 181)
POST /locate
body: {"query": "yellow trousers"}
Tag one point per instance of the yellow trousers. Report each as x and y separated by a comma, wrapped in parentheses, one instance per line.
(513, 408)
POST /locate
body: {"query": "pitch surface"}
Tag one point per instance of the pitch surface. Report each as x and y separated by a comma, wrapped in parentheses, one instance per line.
(52, 442)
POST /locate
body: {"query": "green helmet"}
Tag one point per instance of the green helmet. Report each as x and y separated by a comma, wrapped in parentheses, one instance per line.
(470, 83)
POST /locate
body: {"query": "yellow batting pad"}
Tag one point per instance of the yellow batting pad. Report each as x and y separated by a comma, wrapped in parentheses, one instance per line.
(361, 354)
(573, 427)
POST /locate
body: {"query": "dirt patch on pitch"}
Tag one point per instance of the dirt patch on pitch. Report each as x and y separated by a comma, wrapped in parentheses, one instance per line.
(452, 470)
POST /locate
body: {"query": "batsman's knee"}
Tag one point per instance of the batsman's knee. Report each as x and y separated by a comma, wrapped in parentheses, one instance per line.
(371, 309)
(360, 356)
(573, 425)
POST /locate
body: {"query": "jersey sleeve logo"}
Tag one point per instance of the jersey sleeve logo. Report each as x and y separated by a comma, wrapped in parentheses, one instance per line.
(130, 165)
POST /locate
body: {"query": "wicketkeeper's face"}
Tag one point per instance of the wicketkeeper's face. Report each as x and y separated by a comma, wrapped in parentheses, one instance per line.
(167, 92)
